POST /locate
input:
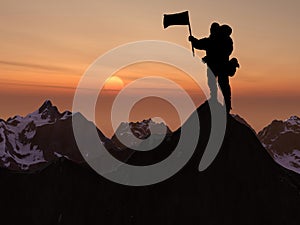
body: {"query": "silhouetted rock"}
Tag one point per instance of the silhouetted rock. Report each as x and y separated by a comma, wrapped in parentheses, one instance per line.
(242, 121)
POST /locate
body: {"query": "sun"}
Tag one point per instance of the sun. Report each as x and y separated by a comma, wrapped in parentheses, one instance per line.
(114, 83)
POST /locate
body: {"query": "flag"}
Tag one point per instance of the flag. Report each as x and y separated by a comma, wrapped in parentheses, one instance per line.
(176, 19)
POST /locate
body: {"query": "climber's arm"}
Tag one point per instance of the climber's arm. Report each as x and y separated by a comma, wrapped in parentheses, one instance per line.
(200, 44)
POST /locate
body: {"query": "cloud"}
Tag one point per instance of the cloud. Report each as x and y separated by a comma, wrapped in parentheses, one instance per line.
(40, 85)
(38, 66)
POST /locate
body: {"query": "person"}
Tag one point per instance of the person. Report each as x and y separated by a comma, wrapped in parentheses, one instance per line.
(218, 47)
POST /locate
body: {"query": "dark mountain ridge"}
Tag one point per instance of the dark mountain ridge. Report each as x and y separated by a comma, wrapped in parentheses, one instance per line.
(242, 186)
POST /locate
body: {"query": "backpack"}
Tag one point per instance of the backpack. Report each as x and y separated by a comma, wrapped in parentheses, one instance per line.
(231, 67)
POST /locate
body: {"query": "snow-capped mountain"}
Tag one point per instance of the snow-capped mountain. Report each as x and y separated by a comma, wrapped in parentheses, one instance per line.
(282, 140)
(29, 142)
(46, 134)
(39, 137)
(134, 131)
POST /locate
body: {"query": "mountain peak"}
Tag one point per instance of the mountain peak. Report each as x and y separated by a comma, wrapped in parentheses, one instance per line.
(47, 110)
(139, 129)
(46, 105)
(281, 139)
(293, 120)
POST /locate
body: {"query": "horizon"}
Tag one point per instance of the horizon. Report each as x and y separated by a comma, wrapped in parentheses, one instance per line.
(134, 121)
(46, 48)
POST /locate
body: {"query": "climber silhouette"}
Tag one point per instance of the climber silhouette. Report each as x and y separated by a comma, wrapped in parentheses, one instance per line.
(218, 47)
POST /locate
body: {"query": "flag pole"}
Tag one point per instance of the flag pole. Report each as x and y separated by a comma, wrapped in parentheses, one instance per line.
(190, 30)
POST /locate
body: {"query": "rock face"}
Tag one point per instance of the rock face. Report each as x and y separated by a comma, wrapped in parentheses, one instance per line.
(242, 186)
(282, 140)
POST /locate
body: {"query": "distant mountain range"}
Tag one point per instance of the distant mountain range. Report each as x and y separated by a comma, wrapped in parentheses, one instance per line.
(44, 135)
(140, 130)
(33, 141)
(243, 185)
(38, 138)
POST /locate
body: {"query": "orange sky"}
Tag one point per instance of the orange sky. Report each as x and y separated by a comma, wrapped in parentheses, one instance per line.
(47, 45)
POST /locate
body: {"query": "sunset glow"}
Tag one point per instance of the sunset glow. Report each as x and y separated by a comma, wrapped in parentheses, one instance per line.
(47, 46)
(114, 84)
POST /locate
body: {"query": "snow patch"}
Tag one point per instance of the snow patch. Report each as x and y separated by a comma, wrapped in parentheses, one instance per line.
(60, 155)
(290, 161)
(293, 120)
